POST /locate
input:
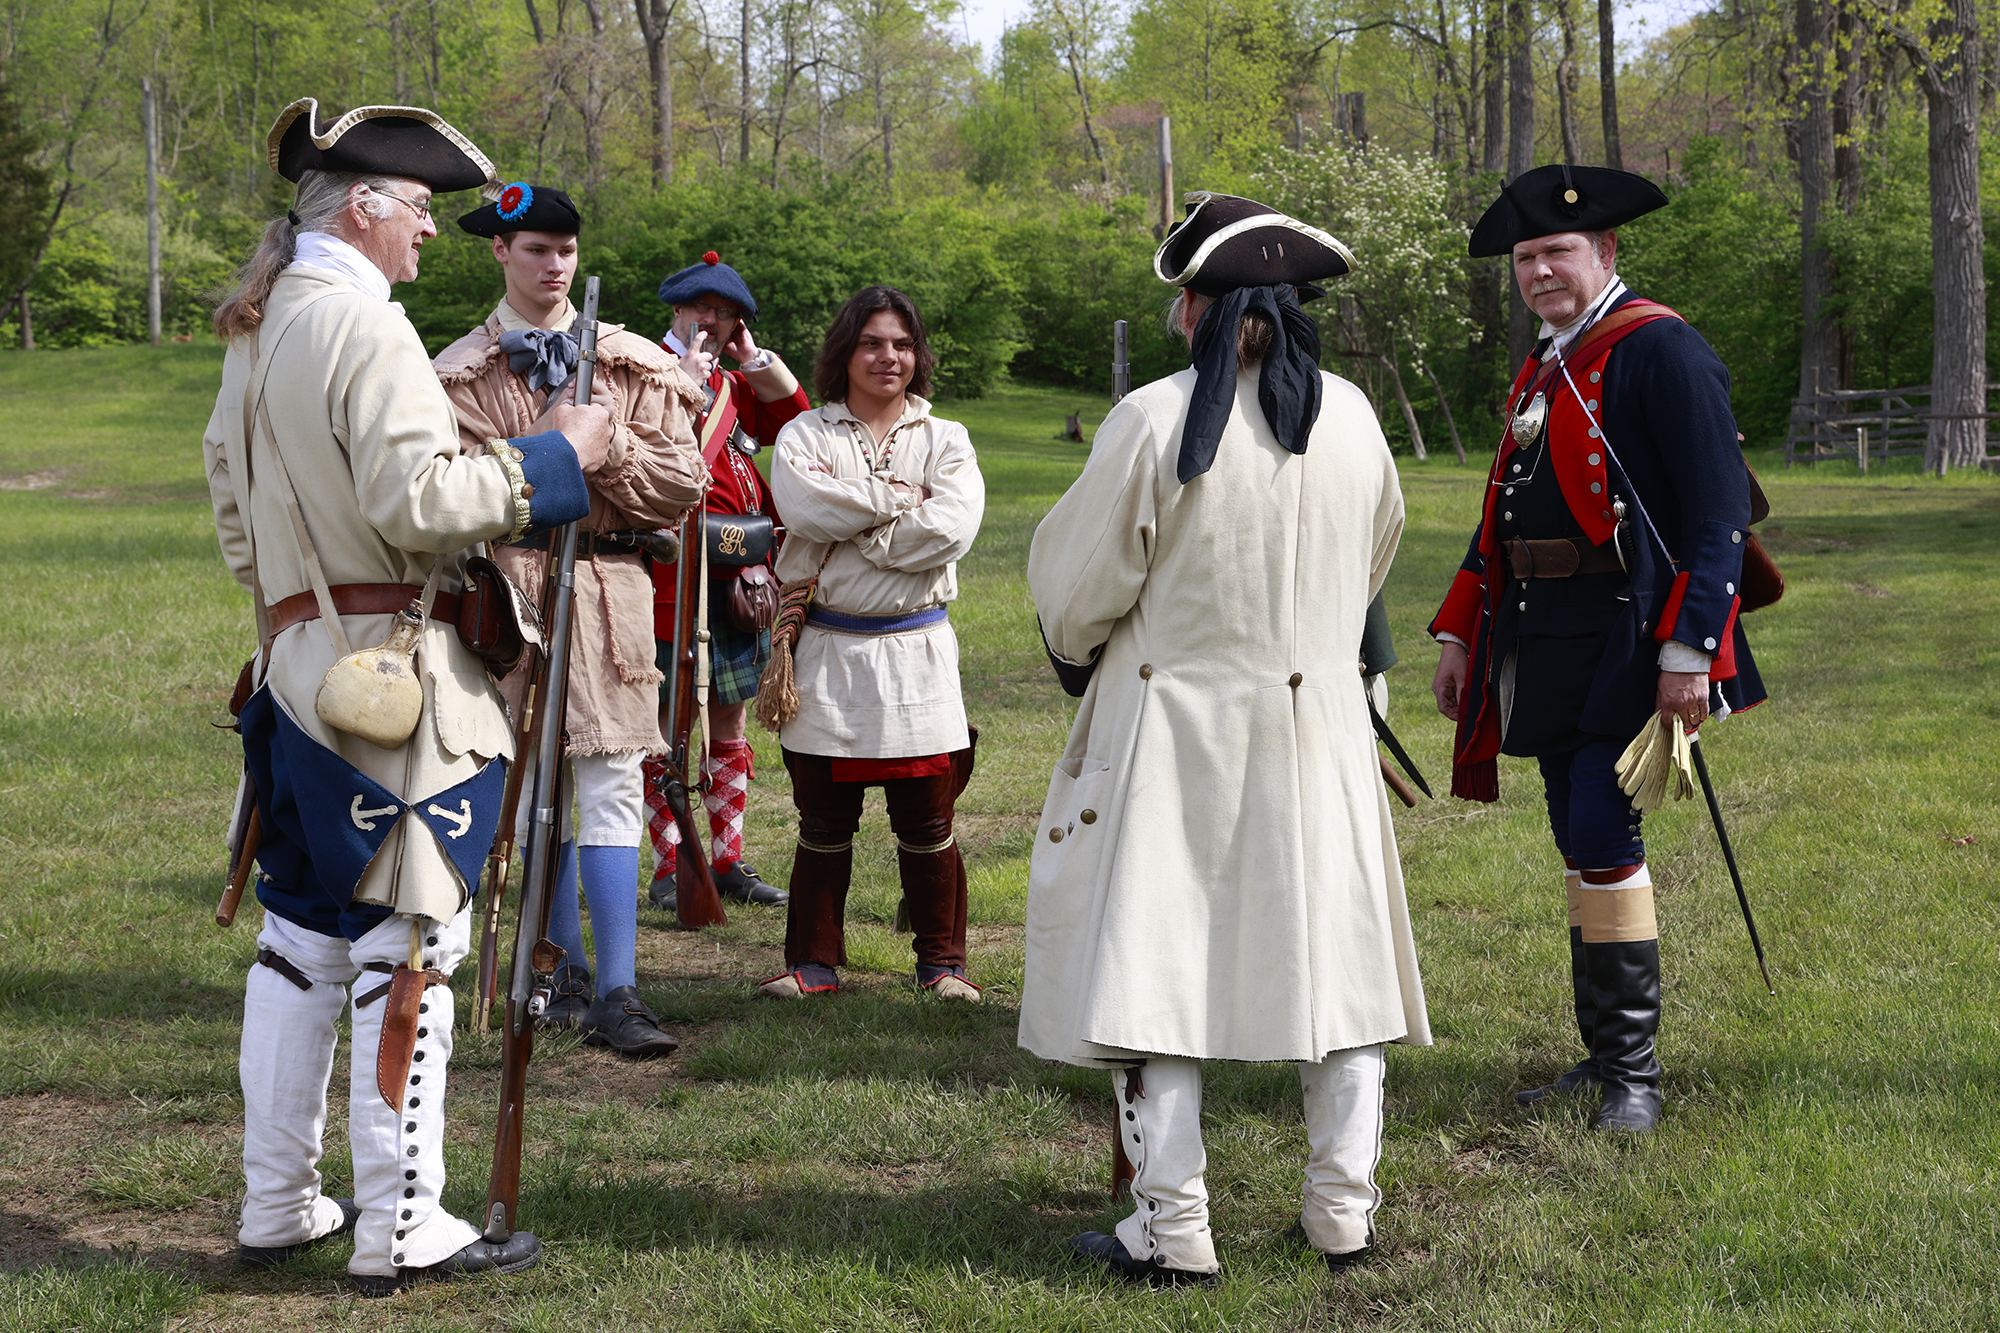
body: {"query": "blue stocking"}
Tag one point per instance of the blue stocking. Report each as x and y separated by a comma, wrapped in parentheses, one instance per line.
(611, 883)
(565, 925)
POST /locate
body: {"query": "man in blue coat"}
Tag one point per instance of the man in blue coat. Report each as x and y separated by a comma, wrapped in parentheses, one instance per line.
(1602, 585)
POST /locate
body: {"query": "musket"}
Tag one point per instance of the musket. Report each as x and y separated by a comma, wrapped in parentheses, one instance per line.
(1121, 366)
(531, 975)
(697, 903)
(499, 861)
(1729, 857)
(239, 875)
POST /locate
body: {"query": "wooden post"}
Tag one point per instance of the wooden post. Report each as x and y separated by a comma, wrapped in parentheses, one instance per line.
(1166, 175)
(1861, 448)
(152, 127)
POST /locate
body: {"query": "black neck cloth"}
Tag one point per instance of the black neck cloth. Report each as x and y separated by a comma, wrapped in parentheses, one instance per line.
(1289, 391)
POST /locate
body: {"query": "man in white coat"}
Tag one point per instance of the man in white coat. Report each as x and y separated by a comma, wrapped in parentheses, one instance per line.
(340, 491)
(1215, 876)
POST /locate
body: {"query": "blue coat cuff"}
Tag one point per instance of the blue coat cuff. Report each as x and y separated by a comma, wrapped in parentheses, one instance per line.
(552, 485)
(1715, 574)
(1073, 678)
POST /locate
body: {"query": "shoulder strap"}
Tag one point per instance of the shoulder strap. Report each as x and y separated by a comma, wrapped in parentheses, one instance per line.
(1627, 318)
(253, 406)
(718, 423)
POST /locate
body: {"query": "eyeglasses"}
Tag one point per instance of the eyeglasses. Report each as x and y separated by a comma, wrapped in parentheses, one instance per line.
(422, 211)
(722, 314)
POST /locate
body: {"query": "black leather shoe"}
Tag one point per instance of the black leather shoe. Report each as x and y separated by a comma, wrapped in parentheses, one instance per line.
(1579, 1079)
(518, 1253)
(270, 1256)
(664, 893)
(1111, 1252)
(570, 1002)
(742, 883)
(1335, 1263)
(622, 1022)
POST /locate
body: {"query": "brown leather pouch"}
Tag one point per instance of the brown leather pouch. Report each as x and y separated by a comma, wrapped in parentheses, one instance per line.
(494, 619)
(1763, 584)
(246, 685)
(753, 599)
(397, 1049)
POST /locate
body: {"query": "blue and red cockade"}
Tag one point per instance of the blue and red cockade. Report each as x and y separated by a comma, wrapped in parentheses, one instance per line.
(515, 201)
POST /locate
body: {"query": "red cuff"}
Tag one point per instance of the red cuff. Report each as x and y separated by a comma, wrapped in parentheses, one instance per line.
(1460, 613)
(1724, 665)
(1670, 614)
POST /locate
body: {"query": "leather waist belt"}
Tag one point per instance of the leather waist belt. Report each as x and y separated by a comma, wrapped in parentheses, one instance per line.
(1561, 558)
(594, 543)
(842, 622)
(361, 599)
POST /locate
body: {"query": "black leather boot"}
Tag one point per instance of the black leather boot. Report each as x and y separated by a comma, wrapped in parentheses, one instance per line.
(270, 1256)
(1625, 984)
(664, 892)
(569, 1002)
(1584, 1074)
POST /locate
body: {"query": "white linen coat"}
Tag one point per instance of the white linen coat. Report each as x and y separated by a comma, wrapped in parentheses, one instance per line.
(1215, 873)
(893, 552)
(372, 448)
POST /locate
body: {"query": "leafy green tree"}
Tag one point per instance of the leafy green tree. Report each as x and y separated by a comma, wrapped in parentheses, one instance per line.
(24, 193)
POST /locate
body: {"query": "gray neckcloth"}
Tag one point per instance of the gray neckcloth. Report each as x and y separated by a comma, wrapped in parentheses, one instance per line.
(546, 358)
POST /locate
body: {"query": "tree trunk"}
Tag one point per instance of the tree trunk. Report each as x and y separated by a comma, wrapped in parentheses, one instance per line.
(1568, 83)
(27, 323)
(1819, 369)
(1520, 158)
(593, 100)
(656, 28)
(1846, 170)
(1409, 413)
(1451, 422)
(1958, 278)
(743, 104)
(1494, 154)
(1607, 85)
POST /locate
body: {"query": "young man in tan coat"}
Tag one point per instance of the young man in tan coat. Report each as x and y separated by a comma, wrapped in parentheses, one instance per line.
(499, 376)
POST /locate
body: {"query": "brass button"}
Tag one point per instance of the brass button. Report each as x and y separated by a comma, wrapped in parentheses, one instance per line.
(527, 490)
(1146, 671)
(1055, 835)
(1088, 816)
(1297, 680)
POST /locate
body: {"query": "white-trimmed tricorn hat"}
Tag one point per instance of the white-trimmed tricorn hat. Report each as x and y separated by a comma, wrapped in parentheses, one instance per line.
(1226, 242)
(380, 141)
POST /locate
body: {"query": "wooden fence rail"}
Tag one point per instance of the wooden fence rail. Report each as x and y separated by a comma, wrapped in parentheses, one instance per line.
(1887, 423)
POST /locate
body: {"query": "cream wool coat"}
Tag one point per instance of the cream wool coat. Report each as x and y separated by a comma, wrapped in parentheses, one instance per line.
(1215, 873)
(651, 475)
(893, 552)
(372, 447)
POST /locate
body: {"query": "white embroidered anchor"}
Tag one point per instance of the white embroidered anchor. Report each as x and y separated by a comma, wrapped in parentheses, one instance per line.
(364, 819)
(463, 817)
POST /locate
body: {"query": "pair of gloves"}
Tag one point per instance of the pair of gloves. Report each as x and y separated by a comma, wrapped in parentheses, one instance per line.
(1659, 759)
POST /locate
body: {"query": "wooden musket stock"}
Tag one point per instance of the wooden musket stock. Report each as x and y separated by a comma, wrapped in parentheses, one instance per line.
(697, 902)
(535, 958)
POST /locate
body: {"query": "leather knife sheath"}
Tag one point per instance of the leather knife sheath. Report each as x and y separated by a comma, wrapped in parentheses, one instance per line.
(399, 1031)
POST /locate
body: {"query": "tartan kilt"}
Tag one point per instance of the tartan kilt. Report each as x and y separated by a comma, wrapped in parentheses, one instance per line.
(736, 660)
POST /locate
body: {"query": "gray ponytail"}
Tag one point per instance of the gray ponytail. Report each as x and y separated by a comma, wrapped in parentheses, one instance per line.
(323, 196)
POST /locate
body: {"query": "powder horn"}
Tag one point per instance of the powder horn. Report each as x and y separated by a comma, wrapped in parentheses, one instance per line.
(375, 693)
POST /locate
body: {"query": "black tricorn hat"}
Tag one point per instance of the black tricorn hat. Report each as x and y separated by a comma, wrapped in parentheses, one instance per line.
(1554, 199)
(1226, 242)
(525, 207)
(378, 141)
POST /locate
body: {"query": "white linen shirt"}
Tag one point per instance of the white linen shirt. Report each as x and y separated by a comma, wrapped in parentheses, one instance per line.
(878, 551)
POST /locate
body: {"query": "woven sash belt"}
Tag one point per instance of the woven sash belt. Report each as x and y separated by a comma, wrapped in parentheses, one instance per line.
(873, 627)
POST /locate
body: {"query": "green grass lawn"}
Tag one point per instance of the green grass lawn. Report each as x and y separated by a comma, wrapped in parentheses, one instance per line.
(881, 1162)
